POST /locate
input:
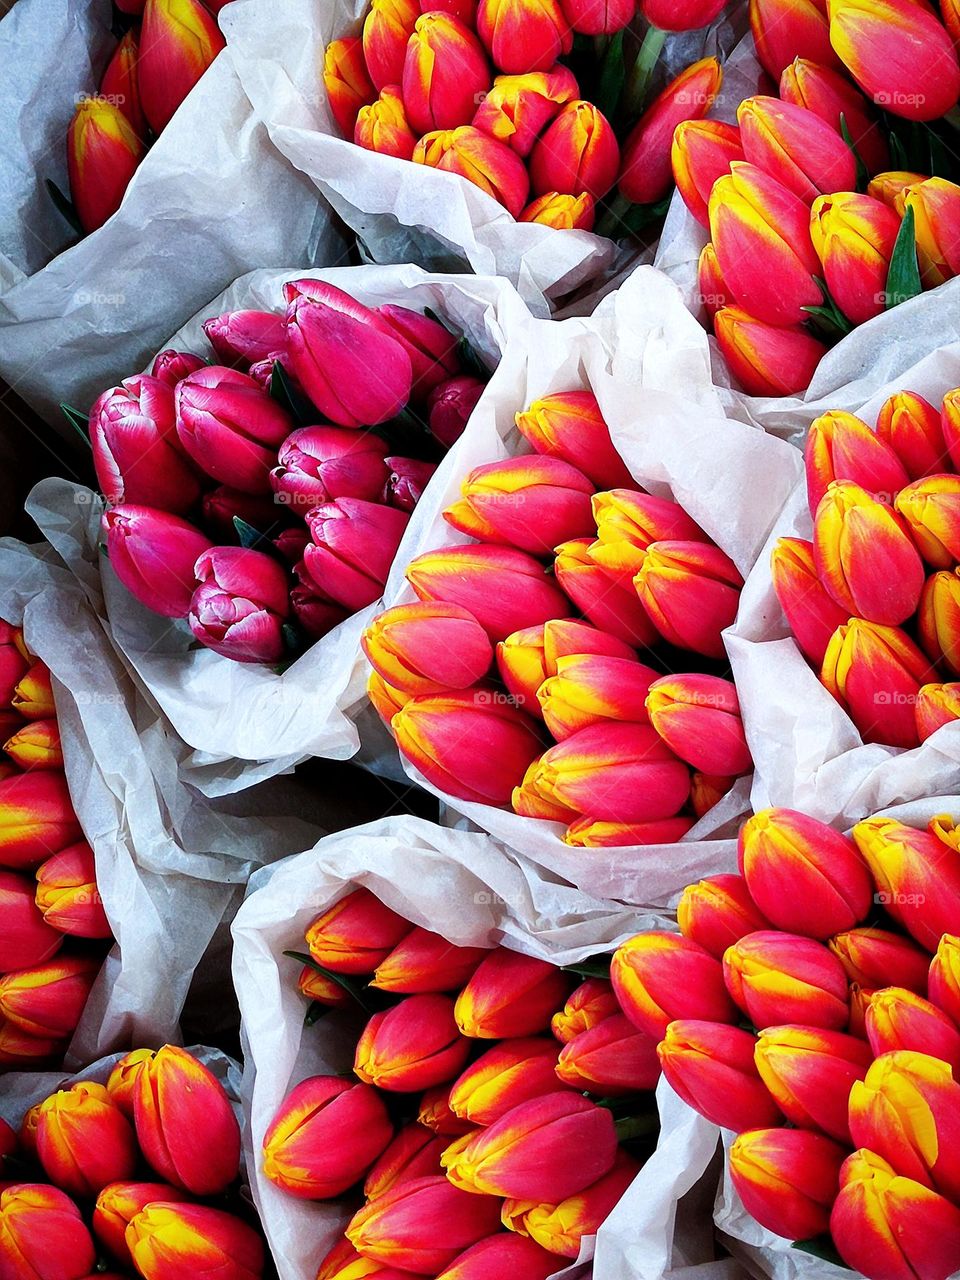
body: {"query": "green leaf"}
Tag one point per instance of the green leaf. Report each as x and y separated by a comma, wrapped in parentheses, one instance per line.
(250, 537)
(353, 989)
(613, 73)
(828, 318)
(315, 1011)
(630, 1127)
(592, 967)
(903, 278)
(821, 1247)
(79, 421)
(471, 361)
(290, 398)
(863, 173)
(898, 153)
(940, 165)
(64, 206)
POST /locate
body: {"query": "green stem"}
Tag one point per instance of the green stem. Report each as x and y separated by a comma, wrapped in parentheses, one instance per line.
(638, 84)
(601, 44)
(612, 216)
(636, 1127)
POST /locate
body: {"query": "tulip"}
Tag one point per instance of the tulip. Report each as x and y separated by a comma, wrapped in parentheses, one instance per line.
(571, 637)
(870, 39)
(444, 73)
(931, 510)
(876, 673)
(434, 1113)
(449, 406)
(804, 876)
(691, 591)
(761, 238)
(680, 15)
(518, 108)
(386, 31)
(179, 40)
(504, 1076)
(322, 989)
(778, 978)
(42, 1236)
(937, 705)
(628, 523)
(854, 236)
(590, 19)
(423, 1223)
(529, 502)
(578, 152)
(911, 427)
(510, 995)
(590, 833)
(47, 1000)
(840, 446)
(832, 97)
(503, 588)
(36, 746)
(918, 876)
(18, 1050)
(353, 548)
(521, 662)
(386, 701)
(590, 689)
(608, 605)
(344, 354)
(344, 1263)
(502, 1257)
(787, 1179)
(411, 1046)
(766, 360)
(482, 160)
(587, 1006)
(13, 664)
(185, 1124)
(717, 912)
(712, 1068)
(569, 425)
(103, 152)
(383, 126)
(118, 1203)
(892, 187)
(169, 1240)
(899, 1019)
(703, 151)
(936, 210)
(810, 1073)
(891, 1225)
(314, 613)
(706, 791)
(787, 29)
(33, 695)
(347, 81)
(356, 934)
(698, 717)
(431, 346)
(877, 958)
(321, 464)
(239, 607)
(426, 962)
(325, 1136)
(945, 977)
(522, 1154)
(611, 1058)
(561, 1227)
(427, 647)
(122, 1083)
(407, 478)
(36, 818)
(712, 292)
(119, 83)
(523, 35)
(244, 336)
(83, 1141)
(950, 425)
(414, 1153)
(170, 366)
(660, 977)
(646, 172)
(796, 147)
(27, 939)
(221, 506)
(812, 614)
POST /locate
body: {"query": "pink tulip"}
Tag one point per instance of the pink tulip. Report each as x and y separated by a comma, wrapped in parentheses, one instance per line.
(354, 545)
(153, 554)
(230, 427)
(449, 406)
(432, 348)
(245, 336)
(238, 610)
(321, 464)
(406, 482)
(170, 366)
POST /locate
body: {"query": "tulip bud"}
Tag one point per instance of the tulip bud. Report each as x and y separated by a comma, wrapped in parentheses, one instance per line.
(945, 976)
(423, 1223)
(804, 876)
(176, 1098)
(344, 354)
(937, 705)
(561, 1227)
(431, 346)
(118, 1203)
(36, 745)
(911, 426)
(42, 1236)
(766, 360)
(166, 1240)
(136, 453)
(917, 873)
(434, 1113)
(47, 1000)
(13, 664)
(703, 151)
(521, 1154)
(386, 31)
(521, 662)
(577, 153)
(356, 934)
(33, 695)
(706, 791)
(875, 673)
(646, 172)
(427, 647)
(899, 1019)
(20, 1051)
(27, 939)
(411, 1046)
(590, 833)
(178, 42)
(787, 29)
(510, 1073)
(691, 591)
(119, 82)
(239, 607)
(868, 37)
(170, 366)
(444, 73)
(230, 427)
(628, 523)
(832, 97)
(347, 81)
(426, 962)
(854, 236)
(779, 978)
(660, 977)
(524, 37)
(936, 210)
(122, 1083)
(813, 615)
(810, 1073)
(354, 546)
(344, 1263)
(572, 637)
(931, 509)
(712, 1068)
(510, 995)
(84, 1142)
(840, 446)
(609, 1059)
(482, 160)
(590, 689)
(590, 1004)
(383, 126)
(606, 18)
(244, 336)
(569, 425)
(698, 717)
(877, 958)
(222, 505)
(386, 701)
(608, 605)
(103, 152)
(518, 108)
(530, 502)
(36, 818)
(321, 464)
(414, 1153)
(796, 146)
(787, 1179)
(892, 187)
(449, 406)
(717, 912)
(322, 989)
(712, 292)
(502, 1257)
(325, 1136)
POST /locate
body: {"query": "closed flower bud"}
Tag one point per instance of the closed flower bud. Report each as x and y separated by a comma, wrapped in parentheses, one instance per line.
(482, 160)
(561, 1227)
(796, 146)
(444, 73)
(875, 958)
(590, 1004)
(431, 346)
(26, 938)
(122, 1082)
(917, 873)
(711, 1066)
(707, 790)
(23, 1052)
(931, 509)
(787, 1179)
(518, 108)
(590, 689)
(765, 359)
(13, 664)
(812, 613)
(356, 934)
(609, 1059)
(779, 978)
(698, 717)
(386, 31)
(529, 502)
(899, 1019)
(911, 427)
(321, 464)
(945, 977)
(411, 1046)
(522, 664)
(569, 425)
(413, 1153)
(426, 962)
(593, 833)
(383, 126)
(434, 1113)
(244, 336)
(222, 505)
(937, 705)
(609, 605)
(660, 977)
(119, 83)
(353, 547)
(179, 40)
(347, 81)
(36, 746)
(936, 210)
(33, 695)
(240, 604)
(876, 672)
(703, 151)
(322, 989)
(449, 406)
(84, 1142)
(510, 995)
(717, 912)
(832, 97)
(787, 29)
(47, 1000)
(118, 1203)
(502, 1257)
(169, 1240)
(515, 1071)
(523, 35)
(230, 427)
(170, 366)
(854, 236)
(562, 212)
(577, 152)
(713, 292)
(840, 446)
(386, 700)
(103, 152)
(950, 425)
(810, 1072)
(628, 523)
(42, 1236)
(892, 187)
(36, 818)
(691, 591)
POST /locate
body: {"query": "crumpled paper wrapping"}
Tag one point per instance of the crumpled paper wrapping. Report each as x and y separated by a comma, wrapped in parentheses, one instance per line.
(808, 752)
(646, 359)
(458, 884)
(211, 200)
(169, 864)
(245, 722)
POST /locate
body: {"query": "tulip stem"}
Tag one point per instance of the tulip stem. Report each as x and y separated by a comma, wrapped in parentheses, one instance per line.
(638, 84)
(613, 216)
(635, 1127)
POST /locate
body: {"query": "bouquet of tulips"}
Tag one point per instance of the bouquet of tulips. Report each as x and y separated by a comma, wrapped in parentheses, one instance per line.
(53, 928)
(105, 1175)
(810, 1006)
